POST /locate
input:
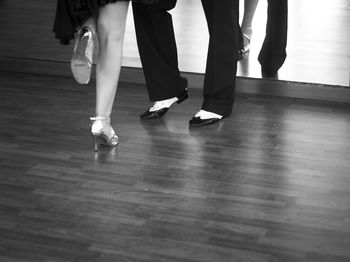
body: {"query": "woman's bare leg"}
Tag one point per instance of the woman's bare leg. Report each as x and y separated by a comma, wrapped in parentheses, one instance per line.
(110, 27)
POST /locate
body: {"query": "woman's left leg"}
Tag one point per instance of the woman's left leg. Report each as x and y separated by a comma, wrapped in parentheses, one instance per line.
(110, 27)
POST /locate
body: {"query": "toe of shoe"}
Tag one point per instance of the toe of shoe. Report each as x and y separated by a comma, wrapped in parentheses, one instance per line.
(154, 114)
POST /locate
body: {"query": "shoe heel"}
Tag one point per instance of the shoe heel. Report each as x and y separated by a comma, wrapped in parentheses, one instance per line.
(96, 140)
(99, 137)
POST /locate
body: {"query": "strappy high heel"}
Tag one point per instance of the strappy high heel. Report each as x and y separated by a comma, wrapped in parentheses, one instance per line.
(100, 136)
(85, 49)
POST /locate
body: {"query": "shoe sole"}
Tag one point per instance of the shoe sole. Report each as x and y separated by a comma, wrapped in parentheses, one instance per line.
(80, 63)
(81, 69)
(204, 123)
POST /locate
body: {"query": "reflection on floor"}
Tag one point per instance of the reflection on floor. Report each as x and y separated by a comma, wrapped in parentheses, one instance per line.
(318, 41)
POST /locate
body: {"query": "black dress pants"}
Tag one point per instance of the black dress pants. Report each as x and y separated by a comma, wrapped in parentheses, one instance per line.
(273, 51)
(157, 48)
(221, 67)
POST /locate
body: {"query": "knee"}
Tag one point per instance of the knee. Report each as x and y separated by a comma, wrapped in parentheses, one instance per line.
(113, 37)
(110, 30)
(110, 33)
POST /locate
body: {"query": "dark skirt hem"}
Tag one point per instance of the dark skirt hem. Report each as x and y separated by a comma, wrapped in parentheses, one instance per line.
(71, 14)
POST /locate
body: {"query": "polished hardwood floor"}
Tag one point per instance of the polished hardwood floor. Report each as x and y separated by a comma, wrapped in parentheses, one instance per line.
(270, 183)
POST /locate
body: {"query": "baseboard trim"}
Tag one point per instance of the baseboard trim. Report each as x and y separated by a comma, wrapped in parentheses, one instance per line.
(270, 87)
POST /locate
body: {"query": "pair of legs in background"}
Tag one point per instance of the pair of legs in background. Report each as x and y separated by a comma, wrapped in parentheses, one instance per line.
(273, 51)
(158, 52)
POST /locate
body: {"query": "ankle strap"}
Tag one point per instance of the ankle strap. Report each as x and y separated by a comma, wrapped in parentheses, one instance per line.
(100, 118)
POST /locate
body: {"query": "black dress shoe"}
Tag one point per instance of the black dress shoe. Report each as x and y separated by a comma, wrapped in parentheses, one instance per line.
(161, 112)
(197, 121)
(154, 114)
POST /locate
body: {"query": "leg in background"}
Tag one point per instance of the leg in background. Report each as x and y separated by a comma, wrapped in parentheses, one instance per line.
(273, 52)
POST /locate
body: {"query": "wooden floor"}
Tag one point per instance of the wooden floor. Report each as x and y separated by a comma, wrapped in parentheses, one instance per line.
(270, 183)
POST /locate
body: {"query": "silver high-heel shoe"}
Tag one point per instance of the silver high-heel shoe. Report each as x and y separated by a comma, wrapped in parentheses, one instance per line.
(83, 55)
(99, 135)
